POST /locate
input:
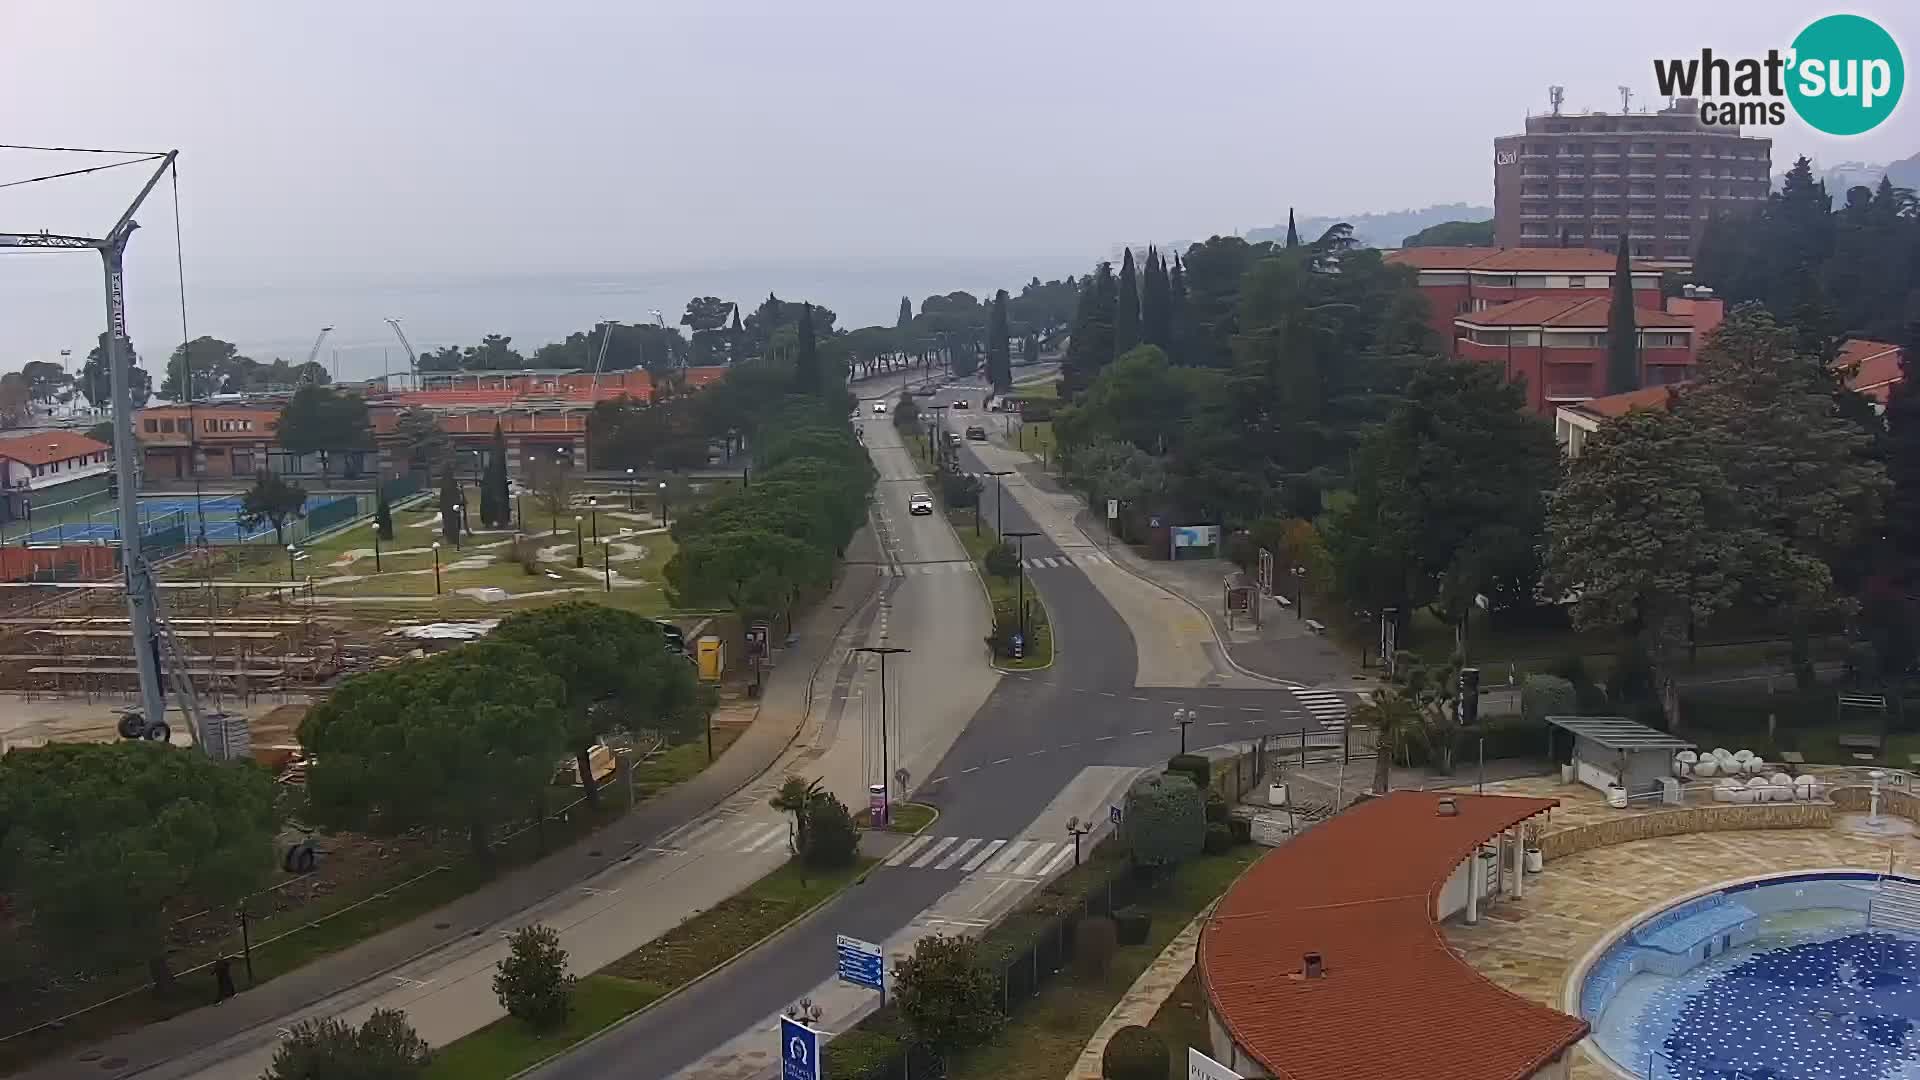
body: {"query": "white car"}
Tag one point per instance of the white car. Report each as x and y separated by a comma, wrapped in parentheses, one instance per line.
(919, 503)
(879, 408)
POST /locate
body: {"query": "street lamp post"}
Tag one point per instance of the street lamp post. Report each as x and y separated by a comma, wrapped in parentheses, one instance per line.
(459, 516)
(436, 568)
(1183, 718)
(886, 774)
(997, 474)
(630, 500)
(376, 547)
(664, 519)
(579, 547)
(606, 563)
(1020, 538)
(1299, 593)
(593, 510)
(289, 562)
(1077, 829)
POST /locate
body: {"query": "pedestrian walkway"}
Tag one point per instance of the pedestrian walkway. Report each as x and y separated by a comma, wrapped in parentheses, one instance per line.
(783, 710)
(1012, 858)
(1329, 707)
(1144, 998)
(1050, 562)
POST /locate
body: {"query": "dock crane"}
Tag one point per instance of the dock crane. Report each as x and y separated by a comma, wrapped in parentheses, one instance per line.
(314, 353)
(413, 361)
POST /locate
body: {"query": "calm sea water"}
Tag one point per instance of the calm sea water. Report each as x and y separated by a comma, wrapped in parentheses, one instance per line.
(46, 306)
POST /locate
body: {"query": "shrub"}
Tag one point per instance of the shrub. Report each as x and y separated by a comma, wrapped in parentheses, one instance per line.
(1195, 766)
(1002, 561)
(1217, 839)
(1216, 809)
(958, 490)
(1134, 1053)
(1241, 829)
(948, 1000)
(532, 982)
(831, 837)
(1542, 696)
(1131, 925)
(386, 1047)
(1094, 941)
(1165, 821)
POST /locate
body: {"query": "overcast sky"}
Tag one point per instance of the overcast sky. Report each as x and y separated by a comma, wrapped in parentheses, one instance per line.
(433, 136)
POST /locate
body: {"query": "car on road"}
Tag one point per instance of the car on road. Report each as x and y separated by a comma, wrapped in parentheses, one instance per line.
(919, 503)
(977, 433)
(953, 438)
(960, 403)
(879, 408)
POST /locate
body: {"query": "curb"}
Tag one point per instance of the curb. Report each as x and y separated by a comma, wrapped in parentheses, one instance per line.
(703, 976)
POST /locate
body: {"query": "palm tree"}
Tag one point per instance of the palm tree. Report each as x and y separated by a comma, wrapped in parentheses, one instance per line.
(1394, 720)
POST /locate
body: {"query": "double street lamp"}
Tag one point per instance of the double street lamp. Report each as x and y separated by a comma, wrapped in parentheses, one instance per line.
(1020, 538)
(1183, 719)
(1077, 829)
(886, 773)
(996, 474)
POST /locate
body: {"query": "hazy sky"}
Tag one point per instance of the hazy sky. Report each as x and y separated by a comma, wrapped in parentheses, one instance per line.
(432, 136)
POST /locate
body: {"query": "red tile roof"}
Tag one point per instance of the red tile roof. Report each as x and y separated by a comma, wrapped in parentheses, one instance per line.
(47, 447)
(1872, 367)
(1612, 405)
(1510, 260)
(1569, 312)
(1396, 1002)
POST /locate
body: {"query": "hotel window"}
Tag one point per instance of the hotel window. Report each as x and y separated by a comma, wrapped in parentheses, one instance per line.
(166, 427)
(1576, 283)
(151, 426)
(1650, 340)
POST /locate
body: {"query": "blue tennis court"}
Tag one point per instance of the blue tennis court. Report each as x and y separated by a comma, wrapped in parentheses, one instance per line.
(218, 513)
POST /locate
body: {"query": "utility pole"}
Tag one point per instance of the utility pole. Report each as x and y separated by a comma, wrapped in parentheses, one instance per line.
(996, 474)
(1020, 538)
(886, 764)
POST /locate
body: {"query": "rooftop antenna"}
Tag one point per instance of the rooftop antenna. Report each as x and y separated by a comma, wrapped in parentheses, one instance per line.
(1626, 98)
(1556, 95)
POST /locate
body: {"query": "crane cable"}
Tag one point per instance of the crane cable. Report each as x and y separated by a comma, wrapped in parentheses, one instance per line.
(186, 357)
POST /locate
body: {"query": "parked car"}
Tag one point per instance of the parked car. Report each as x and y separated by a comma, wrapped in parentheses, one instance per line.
(960, 403)
(919, 503)
(953, 439)
(977, 433)
(879, 408)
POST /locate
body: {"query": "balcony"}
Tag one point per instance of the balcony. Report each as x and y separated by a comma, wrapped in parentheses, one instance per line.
(1569, 194)
(1610, 174)
(1642, 175)
(1606, 153)
(1647, 153)
(1533, 194)
(1679, 236)
(1672, 175)
(1529, 155)
(1532, 215)
(1641, 236)
(1569, 215)
(1641, 195)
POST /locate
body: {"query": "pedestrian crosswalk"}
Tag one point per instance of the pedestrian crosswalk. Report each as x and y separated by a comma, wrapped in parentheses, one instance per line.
(1011, 858)
(729, 834)
(1038, 562)
(1327, 706)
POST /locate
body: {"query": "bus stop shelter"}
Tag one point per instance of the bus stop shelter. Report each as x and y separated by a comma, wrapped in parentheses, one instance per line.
(1613, 751)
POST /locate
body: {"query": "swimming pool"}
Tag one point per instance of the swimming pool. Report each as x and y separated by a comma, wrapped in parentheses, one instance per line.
(1791, 977)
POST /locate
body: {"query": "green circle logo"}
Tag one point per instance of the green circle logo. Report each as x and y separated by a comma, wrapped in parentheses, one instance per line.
(1846, 76)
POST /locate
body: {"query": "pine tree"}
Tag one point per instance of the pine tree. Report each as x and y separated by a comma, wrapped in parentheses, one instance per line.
(906, 315)
(1293, 234)
(1623, 338)
(1156, 325)
(999, 361)
(806, 358)
(735, 336)
(1090, 346)
(496, 505)
(1126, 319)
(383, 513)
(1178, 334)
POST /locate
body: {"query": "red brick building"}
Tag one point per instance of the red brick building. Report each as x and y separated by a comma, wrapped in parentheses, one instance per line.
(1558, 345)
(1462, 280)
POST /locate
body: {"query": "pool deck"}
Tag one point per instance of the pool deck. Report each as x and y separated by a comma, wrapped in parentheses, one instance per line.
(1532, 946)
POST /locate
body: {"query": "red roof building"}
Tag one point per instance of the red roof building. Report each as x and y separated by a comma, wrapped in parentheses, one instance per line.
(1326, 960)
(1462, 280)
(47, 467)
(1558, 345)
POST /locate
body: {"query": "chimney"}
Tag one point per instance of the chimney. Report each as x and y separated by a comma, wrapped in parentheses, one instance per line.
(1448, 807)
(1311, 966)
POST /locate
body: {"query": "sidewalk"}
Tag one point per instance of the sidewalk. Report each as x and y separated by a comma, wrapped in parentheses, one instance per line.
(783, 710)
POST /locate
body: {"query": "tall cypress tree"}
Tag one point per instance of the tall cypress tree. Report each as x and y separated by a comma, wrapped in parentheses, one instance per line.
(906, 315)
(496, 506)
(1623, 337)
(999, 358)
(1090, 347)
(1293, 234)
(1156, 323)
(1126, 316)
(1178, 335)
(806, 358)
(735, 336)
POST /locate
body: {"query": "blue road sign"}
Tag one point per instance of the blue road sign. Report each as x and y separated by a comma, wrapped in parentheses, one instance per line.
(861, 963)
(799, 1051)
(1113, 814)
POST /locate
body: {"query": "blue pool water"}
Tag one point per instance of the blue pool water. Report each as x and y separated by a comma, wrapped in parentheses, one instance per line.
(1802, 988)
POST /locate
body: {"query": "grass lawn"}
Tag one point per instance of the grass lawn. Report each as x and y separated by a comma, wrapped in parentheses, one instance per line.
(506, 1046)
(731, 927)
(1039, 650)
(1047, 1034)
(908, 817)
(1036, 437)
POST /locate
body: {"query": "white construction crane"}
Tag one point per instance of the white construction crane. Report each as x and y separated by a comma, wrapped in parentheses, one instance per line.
(413, 361)
(314, 352)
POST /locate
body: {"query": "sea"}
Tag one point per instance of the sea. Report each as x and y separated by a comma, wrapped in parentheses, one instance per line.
(53, 301)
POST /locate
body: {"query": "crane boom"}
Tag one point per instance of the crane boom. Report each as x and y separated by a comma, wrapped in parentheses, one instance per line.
(314, 353)
(413, 361)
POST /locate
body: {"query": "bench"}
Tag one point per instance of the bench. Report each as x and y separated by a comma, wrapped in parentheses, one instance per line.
(1316, 626)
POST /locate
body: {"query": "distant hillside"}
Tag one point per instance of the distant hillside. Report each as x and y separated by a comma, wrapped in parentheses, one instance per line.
(1379, 230)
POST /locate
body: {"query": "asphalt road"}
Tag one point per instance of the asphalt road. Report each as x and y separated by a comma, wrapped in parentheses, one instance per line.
(1030, 737)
